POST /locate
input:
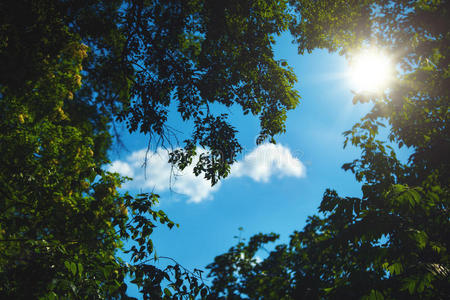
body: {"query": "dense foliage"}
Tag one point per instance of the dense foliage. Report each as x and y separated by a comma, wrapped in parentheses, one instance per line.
(393, 242)
(69, 70)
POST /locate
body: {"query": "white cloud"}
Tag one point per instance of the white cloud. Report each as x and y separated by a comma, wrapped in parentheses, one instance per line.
(260, 164)
(268, 160)
(122, 168)
(158, 175)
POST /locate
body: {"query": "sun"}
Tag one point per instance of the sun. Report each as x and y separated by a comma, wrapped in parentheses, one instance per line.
(370, 71)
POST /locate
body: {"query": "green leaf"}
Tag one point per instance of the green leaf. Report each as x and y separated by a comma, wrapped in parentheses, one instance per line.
(421, 239)
(395, 268)
(411, 286)
(80, 269)
(67, 264)
(73, 268)
(374, 295)
(167, 292)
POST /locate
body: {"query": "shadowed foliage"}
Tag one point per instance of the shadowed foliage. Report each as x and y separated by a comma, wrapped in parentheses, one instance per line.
(392, 243)
(69, 70)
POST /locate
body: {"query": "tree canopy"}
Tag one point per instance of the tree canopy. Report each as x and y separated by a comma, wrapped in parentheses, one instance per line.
(391, 243)
(69, 71)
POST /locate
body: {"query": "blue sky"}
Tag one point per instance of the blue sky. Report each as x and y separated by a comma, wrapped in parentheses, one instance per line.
(272, 188)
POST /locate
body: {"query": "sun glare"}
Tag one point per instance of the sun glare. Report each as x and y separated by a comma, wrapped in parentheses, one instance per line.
(370, 71)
